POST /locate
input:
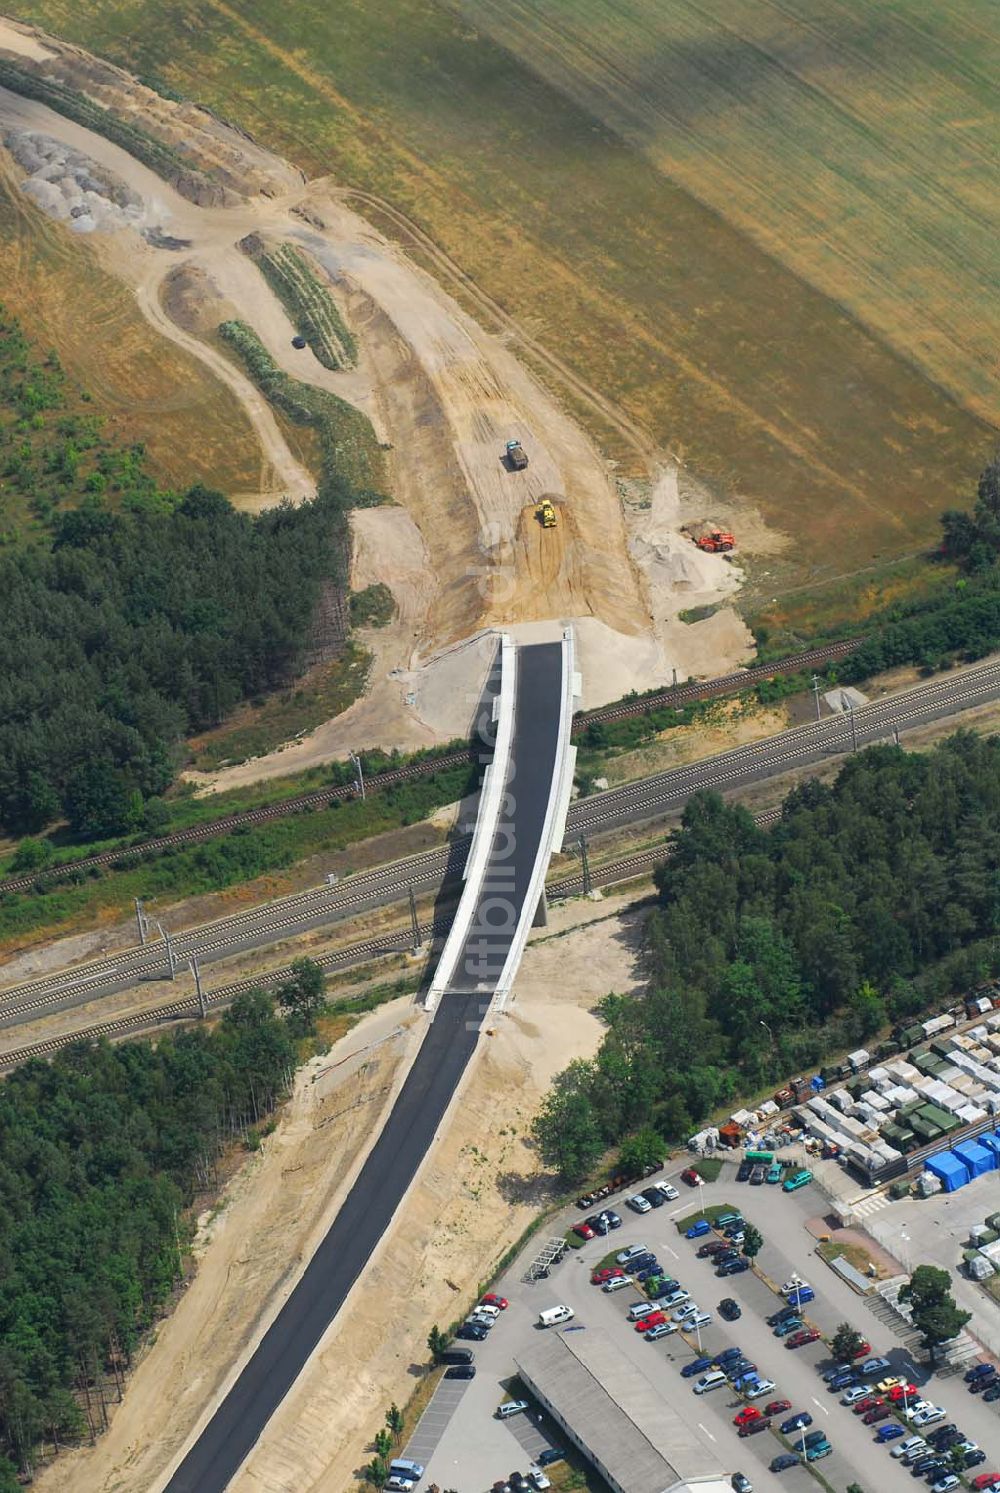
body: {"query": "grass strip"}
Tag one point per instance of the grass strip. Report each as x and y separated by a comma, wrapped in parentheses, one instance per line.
(351, 453)
(306, 299)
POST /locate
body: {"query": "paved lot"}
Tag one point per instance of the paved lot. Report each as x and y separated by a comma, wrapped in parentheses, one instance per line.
(432, 1424)
(934, 1231)
(475, 1448)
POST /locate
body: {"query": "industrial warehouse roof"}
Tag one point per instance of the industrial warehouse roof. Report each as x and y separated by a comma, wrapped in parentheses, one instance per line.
(612, 1407)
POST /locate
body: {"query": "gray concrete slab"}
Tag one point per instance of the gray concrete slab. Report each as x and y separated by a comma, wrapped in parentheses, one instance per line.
(435, 1420)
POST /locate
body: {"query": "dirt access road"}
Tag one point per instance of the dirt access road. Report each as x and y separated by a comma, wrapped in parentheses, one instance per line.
(462, 552)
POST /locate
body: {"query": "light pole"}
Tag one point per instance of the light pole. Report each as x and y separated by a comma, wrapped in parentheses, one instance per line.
(359, 781)
(848, 705)
(171, 961)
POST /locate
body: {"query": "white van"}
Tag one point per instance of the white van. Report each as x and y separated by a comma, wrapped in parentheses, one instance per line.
(715, 1380)
(553, 1315)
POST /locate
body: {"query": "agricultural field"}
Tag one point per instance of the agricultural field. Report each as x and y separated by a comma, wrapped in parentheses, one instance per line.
(771, 390)
(143, 388)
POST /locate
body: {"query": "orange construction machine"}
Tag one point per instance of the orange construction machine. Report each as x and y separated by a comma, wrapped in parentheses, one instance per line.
(718, 542)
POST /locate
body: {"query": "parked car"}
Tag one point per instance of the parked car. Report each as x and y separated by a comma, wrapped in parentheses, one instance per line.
(862, 1350)
(992, 1392)
(461, 1371)
(654, 1197)
(711, 1247)
(879, 1412)
(945, 1484)
(782, 1462)
(729, 1310)
(583, 1231)
(798, 1179)
(842, 1379)
(669, 1191)
(979, 1371)
(872, 1366)
(638, 1203)
(606, 1273)
(745, 1381)
(814, 1438)
(690, 1176)
(983, 1383)
(762, 1387)
(974, 1458)
(861, 1407)
(775, 1172)
(777, 1407)
(614, 1219)
(905, 1448)
(549, 1455)
(696, 1366)
(653, 1320)
(817, 1453)
(714, 1379)
(796, 1422)
(854, 1394)
(634, 1251)
(492, 1300)
(917, 1407)
(674, 1298)
(744, 1170)
(640, 1309)
(985, 1480)
(484, 1309)
(739, 1371)
(928, 1417)
(884, 1385)
(537, 1479)
(748, 1413)
(471, 1332)
(699, 1229)
(757, 1175)
(619, 1283)
(599, 1224)
(889, 1433)
(784, 1328)
(511, 1407)
(801, 1339)
(660, 1329)
(740, 1483)
(903, 1393)
(752, 1427)
(782, 1315)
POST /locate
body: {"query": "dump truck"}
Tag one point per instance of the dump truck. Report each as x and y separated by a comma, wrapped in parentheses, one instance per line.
(515, 457)
(716, 542)
(546, 514)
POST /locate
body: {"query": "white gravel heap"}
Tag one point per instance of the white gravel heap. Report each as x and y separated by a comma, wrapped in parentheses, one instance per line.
(68, 185)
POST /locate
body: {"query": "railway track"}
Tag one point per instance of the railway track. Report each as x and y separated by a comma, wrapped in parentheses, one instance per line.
(625, 868)
(321, 798)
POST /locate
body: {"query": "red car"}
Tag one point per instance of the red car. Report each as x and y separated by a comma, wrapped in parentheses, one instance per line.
(985, 1480)
(610, 1272)
(863, 1351)
(583, 1230)
(691, 1177)
(775, 1407)
(751, 1427)
(900, 1392)
(799, 1339)
(868, 1403)
(879, 1413)
(498, 1301)
(747, 1414)
(653, 1320)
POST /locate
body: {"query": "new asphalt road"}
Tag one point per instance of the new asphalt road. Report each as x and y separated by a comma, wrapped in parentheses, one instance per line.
(649, 799)
(230, 1435)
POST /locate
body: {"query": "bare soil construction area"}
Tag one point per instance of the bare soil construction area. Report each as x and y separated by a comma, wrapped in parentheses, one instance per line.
(465, 553)
(478, 1189)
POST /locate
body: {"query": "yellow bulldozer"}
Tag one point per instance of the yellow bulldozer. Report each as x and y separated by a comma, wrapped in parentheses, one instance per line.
(546, 514)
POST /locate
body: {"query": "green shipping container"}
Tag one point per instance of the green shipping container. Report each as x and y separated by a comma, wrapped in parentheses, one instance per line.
(941, 1118)
(925, 1129)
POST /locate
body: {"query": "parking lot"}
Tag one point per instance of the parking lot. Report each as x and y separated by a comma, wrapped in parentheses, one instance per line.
(475, 1449)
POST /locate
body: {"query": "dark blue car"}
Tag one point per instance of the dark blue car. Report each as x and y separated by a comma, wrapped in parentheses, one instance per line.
(796, 1422)
(697, 1366)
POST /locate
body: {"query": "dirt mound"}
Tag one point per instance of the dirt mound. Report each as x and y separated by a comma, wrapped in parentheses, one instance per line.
(192, 300)
(236, 165)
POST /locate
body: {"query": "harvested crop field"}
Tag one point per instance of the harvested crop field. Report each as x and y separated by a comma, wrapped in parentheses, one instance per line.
(767, 388)
(145, 389)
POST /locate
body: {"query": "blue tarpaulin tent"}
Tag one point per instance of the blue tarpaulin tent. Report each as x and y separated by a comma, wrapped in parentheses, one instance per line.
(976, 1157)
(953, 1173)
(992, 1144)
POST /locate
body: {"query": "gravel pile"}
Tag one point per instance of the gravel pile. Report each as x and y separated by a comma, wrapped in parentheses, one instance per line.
(71, 187)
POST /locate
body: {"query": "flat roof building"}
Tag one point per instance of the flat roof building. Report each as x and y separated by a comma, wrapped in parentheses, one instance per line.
(615, 1416)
